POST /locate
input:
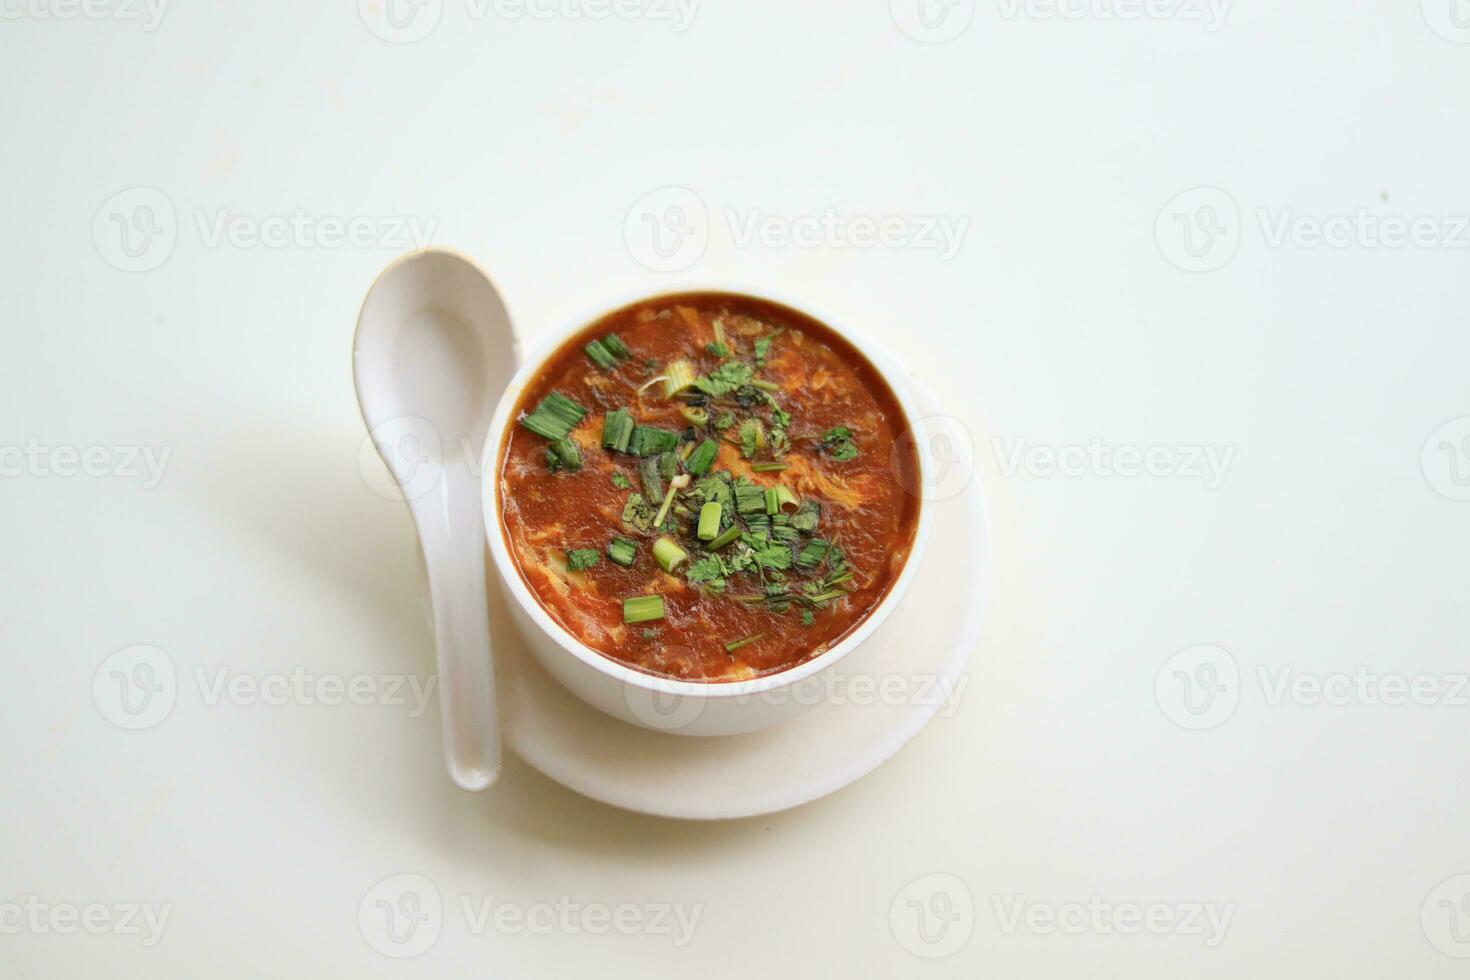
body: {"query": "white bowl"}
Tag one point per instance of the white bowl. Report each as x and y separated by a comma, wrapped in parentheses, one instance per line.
(646, 700)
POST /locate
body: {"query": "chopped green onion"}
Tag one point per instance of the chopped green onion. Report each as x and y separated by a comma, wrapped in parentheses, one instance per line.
(719, 327)
(676, 484)
(816, 549)
(695, 416)
(699, 461)
(564, 454)
(764, 385)
(668, 465)
(615, 346)
(730, 534)
(643, 609)
(718, 350)
(555, 417)
(622, 551)
(668, 554)
(653, 484)
(617, 429)
(709, 521)
(737, 644)
(582, 558)
(649, 441)
(679, 375)
(600, 355)
(767, 467)
(778, 497)
(749, 499)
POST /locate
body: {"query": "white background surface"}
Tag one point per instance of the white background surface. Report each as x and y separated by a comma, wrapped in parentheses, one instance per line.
(527, 142)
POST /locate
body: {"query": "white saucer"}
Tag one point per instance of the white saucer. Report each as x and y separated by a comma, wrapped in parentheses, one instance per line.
(920, 652)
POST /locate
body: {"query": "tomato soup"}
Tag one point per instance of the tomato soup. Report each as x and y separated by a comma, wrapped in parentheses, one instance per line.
(709, 487)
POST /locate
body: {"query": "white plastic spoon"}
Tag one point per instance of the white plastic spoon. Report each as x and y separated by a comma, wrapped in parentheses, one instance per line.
(433, 352)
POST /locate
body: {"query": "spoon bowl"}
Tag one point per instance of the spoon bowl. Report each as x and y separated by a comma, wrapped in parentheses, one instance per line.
(433, 351)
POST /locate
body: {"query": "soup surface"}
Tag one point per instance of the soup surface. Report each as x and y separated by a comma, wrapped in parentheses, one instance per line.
(709, 487)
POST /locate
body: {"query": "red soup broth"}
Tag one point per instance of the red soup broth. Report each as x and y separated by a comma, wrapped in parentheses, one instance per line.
(777, 400)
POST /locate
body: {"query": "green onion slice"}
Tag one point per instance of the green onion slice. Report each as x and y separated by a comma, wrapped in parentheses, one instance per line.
(643, 609)
(668, 554)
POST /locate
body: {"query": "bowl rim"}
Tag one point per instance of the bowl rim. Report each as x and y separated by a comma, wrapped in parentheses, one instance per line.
(887, 367)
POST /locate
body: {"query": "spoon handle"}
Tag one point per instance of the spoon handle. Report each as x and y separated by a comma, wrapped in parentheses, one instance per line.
(455, 556)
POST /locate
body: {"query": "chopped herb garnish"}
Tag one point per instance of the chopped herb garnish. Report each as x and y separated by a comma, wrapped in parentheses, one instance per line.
(555, 417)
(699, 461)
(564, 454)
(649, 441)
(737, 644)
(779, 497)
(677, 376)
(805, 518)
(668, 554)
(709, 521)
(620, 481)
(600, 355)
(695, 416)
(724, 538)
(838, 444)
(762, 348)
(811, 556)
(638, 514)
(582, 558)
(653, 484)
(718, 350)
(622, 551)
(708, 571)
(617, 429)
(615, 346)
(807, 618)
(752, 437)
(767, 467)
(749, 499)
(675, 485)
(725, 378)
(724, 421)
(643, 609)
